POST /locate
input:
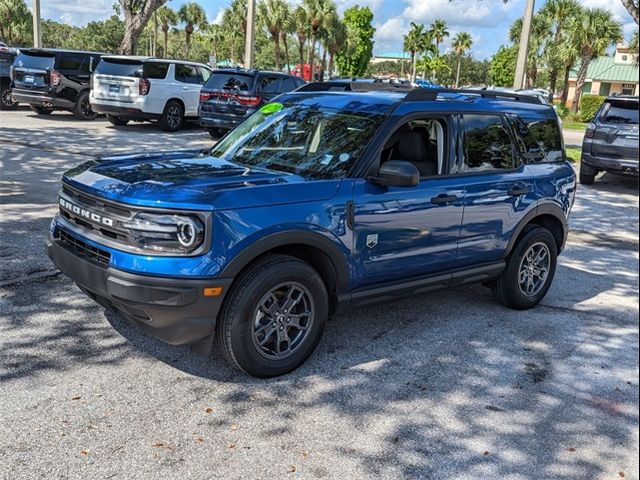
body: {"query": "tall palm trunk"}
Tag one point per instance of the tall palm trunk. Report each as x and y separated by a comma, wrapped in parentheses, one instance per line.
(585, 59)
(276, 40)
(433, 72)
(413, 66)
(458, 71)
(312, 53)
(188, 31)
(165, 32)
(155, 33)
(331, 60)
(283, 36)
(323, 64)
(565, 89)
(301, 42)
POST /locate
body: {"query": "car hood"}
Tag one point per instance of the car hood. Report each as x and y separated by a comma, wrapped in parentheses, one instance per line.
(192, 180)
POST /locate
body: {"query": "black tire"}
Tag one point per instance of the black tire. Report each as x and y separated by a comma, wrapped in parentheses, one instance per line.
(6, 100)
(244, 319)
(215, 132)
(172, 118)
(587, 174)
(82, 109)
(117, 121)
(508, 288)
(40, 110)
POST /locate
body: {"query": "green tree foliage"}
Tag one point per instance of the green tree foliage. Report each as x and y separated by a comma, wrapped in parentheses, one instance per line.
(589, 107)
(503, 66)
(193, 15)
(473, 72)
(353, 60)
(167, 17)
(15, 22)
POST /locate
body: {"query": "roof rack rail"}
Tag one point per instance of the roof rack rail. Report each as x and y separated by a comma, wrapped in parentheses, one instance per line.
(432, 94)
(350, 86)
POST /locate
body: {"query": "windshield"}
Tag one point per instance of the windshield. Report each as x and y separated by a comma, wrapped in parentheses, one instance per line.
(622, 112)
(308, 141)
(38, 61)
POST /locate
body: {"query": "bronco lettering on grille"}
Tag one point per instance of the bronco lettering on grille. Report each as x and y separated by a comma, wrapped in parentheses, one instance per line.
(82, 212)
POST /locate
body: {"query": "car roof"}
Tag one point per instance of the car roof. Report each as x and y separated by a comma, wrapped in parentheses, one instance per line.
(631, 98)
(59, 50)
(383, 101)
(251, 71)
(142, 58)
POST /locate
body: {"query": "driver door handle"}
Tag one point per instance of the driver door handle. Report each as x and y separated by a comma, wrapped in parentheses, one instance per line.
(519, 190)
(443, 199)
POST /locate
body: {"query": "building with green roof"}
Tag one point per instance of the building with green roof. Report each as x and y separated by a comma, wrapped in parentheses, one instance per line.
(609, 75)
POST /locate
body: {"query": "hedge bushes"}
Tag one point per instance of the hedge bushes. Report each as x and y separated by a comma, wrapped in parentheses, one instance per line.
(589, 105)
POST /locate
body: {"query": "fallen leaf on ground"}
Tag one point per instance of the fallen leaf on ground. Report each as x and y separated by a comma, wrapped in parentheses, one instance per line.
(621, 474)
(76, 398)
(163, 445)
(209, 410)
(291, 469)
(493, 408)
(235, 426)
(85, 451)
(571, 449)
(232, 445)
(200, 440)
(486, 452)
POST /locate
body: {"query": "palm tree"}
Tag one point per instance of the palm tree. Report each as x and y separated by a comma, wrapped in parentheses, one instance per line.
(167, 18)
(193, 15)
(317, 11)
(287, 28)
(216, 34)
(540, 31)
(558, 14)
(592, 33)
(272, 14)
(302, 30)
(413, 42)
(439, 32)
(234, 24)
(14, 20)
(461, 43)
(336, 39)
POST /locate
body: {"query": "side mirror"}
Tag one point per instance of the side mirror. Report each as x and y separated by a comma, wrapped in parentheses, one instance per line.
(397, 173)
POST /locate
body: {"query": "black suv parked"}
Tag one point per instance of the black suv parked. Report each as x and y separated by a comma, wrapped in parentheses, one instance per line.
(231, 95)
(611, 141)
(7, 56)
(50, 79)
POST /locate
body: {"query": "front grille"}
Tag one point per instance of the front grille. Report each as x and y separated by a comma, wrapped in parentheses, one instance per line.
(91, 209)
(83, 250)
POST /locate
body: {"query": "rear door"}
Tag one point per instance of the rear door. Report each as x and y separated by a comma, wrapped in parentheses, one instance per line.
(191, 83)
(616, 133)
(499, 189)
(32, 68)
(117, 79)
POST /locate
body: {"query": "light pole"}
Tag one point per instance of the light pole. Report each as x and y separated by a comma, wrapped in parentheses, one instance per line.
(523, 49)
(251, 34)
(37, 30)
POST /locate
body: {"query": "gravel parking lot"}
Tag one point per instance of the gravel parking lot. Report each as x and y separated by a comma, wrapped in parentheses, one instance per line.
(447, 385)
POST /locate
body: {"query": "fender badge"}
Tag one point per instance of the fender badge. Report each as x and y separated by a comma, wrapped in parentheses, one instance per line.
(372, 240)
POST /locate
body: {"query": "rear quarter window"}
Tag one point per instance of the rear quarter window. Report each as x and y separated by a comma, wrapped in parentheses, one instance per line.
(546, 134)
(155, 70)
(70, 61)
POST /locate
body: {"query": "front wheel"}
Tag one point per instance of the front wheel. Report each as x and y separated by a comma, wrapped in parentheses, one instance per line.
(41, 110)
(529, 271)
(6, 100)
(172, 117)
(274, 316)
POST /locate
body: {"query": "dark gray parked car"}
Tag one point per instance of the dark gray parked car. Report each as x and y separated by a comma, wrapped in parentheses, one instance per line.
(611, 141)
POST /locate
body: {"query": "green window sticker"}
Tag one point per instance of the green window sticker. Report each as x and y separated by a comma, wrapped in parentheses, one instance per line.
(270, 108)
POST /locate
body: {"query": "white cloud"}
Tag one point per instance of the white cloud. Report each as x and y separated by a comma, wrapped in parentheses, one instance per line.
(618, 12)
(77, 12)
(464, 13)
(219, 15)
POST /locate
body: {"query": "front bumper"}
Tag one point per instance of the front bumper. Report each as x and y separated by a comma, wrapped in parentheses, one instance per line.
(175, 310)
(41, 98)
(611, 164)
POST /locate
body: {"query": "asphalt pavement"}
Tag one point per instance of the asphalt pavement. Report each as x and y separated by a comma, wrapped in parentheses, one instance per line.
(446, 385)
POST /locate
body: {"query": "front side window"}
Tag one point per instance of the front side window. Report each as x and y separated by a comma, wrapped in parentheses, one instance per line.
(187, 74)
(70, 61)
(487, 144)
(309, 141)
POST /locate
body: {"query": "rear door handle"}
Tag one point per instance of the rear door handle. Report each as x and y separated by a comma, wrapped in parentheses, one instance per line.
(443, 199)
(519, 190)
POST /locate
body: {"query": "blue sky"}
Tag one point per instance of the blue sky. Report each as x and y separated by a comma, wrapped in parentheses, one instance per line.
(488, 21)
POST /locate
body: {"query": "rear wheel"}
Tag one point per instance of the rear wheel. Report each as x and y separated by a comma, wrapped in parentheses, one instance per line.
(529, 271)
(215, 132)
(40, 110)
(587, 174)
(172, 118)
(82, 109)
(274, 316)
(6, 100)
(117, 121)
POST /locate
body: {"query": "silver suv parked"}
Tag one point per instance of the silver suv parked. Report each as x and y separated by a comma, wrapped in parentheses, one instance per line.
(611, 141)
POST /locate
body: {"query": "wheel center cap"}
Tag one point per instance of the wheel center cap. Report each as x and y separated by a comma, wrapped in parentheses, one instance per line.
(280, 318)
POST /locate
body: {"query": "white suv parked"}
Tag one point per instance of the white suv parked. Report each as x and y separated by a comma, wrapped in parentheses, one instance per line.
(145, 88)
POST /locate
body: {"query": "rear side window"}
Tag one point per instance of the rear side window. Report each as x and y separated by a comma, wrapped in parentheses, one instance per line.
(289, 84)
(155, 70)
(70, 61)
(546, 133)
(620, 112)
(187, 74)
(38, 61)
(268, 85)
(487, 144)
(230, 81)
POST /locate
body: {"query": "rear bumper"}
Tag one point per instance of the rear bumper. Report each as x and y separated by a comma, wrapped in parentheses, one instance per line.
(123, 112)
(226, 122)
(172, 309)
(610, 164)
(40, 98)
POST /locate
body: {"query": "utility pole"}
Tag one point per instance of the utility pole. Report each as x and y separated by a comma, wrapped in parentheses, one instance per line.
(523, 50)
(251, 34)
(37, 26)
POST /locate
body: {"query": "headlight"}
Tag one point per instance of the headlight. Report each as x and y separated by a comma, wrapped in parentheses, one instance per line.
(166, 233)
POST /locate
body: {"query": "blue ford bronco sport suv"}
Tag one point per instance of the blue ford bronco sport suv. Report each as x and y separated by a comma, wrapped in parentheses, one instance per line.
(328, 196)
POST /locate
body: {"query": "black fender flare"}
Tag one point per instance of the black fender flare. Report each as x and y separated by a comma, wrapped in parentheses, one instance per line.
(546, 208)
(292, 237)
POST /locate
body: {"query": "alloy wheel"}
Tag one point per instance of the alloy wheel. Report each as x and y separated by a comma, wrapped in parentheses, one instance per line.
(534, 269)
